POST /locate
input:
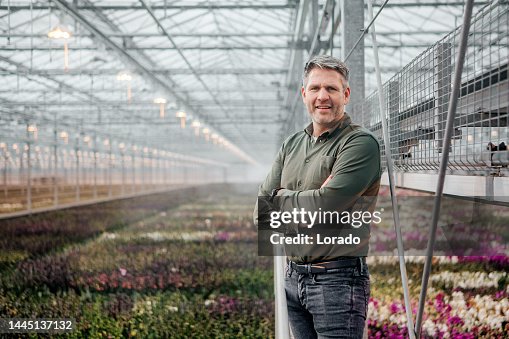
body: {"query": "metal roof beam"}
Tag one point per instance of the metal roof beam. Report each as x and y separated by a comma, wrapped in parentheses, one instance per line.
(297, 36)
(323, 44)
(154, 35)
(204, 84)
(186, 7)
(159, 83)
(21, 69)
(253, 6)
(432, 3)
(123, 103)
(222, 35)
(312, 47)
(171, 71)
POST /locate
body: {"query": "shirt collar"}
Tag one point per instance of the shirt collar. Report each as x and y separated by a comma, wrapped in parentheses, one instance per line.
(345, 121)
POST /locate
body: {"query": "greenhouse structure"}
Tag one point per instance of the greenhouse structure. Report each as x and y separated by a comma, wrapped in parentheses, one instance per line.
(150, 150)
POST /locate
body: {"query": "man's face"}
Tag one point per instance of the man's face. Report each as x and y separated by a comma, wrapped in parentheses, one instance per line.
(324, 96)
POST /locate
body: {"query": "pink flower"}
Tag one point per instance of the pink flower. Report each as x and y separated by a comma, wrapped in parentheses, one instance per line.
(394, 308)
(123, 272)
(455, 320)
(222, 236)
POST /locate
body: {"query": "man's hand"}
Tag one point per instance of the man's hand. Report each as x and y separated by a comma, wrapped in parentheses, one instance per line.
(326, 181)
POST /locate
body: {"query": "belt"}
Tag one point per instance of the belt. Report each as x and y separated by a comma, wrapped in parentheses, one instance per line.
(323, 267)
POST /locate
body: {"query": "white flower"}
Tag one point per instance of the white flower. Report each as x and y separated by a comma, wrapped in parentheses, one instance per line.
(469, 279)
(429, 327)
(108, 236)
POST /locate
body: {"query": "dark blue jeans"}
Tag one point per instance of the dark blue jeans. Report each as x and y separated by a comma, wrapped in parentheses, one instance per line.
(328, 305)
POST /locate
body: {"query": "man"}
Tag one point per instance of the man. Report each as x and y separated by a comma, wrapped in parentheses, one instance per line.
(334, 159)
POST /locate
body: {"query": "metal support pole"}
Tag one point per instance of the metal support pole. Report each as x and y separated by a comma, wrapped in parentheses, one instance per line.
(282, 329)
(133, 162)
(152, 171)
(110, 170)
(352, 23)
(6, 159)
(158, 170)
(21, 154)
(65, 165)
(442, 90)
(490, 187)
(122, 190)
(104, 169)
(445, 159)
(29, 170)
(95, 166)
(394, 123)
(76, 153)
(85, 163)
(55, 165)
(142, 171)
(164, 172)
(171, 174)
(390, 170)
(152, 180)
(364, 31)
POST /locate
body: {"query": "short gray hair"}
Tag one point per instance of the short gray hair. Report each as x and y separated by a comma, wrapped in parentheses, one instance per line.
(326, 62)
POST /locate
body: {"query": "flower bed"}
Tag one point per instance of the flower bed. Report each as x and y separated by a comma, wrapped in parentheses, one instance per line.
(186, 272)
(31, 236)
(193, 271)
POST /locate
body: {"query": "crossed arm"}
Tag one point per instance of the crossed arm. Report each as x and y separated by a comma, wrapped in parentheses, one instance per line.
(356, 168)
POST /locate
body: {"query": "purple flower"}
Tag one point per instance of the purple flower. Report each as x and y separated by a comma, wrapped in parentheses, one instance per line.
(222, 236)
(394, 308)
(454, 320)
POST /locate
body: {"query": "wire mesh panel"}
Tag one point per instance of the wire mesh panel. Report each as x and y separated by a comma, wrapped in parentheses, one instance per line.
(417, 100)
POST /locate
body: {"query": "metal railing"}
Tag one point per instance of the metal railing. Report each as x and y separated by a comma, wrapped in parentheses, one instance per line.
(417, 98)
(40, 169)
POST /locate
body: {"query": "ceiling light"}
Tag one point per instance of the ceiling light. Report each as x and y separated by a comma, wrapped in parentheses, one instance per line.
(206, 133)
(127, 77)
(61, 33)
(182, 115)
(64, 136)
(32, 129)
(162, 103)
(196, 125)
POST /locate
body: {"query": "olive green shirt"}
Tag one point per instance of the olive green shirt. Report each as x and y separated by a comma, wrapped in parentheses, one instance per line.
(347, 153)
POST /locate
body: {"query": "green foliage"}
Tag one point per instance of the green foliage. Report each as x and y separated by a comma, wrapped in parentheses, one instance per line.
(142, 270)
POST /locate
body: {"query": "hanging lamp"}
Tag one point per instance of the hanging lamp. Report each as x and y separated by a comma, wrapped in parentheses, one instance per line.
(126, 77)
(196, 125)
(32, 129)
(206, 133)
(65, 136)
(60, 32)
(182, 115)
(162, 104)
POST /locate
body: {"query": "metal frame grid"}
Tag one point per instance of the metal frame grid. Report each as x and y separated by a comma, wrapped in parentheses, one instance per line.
(417, 100)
